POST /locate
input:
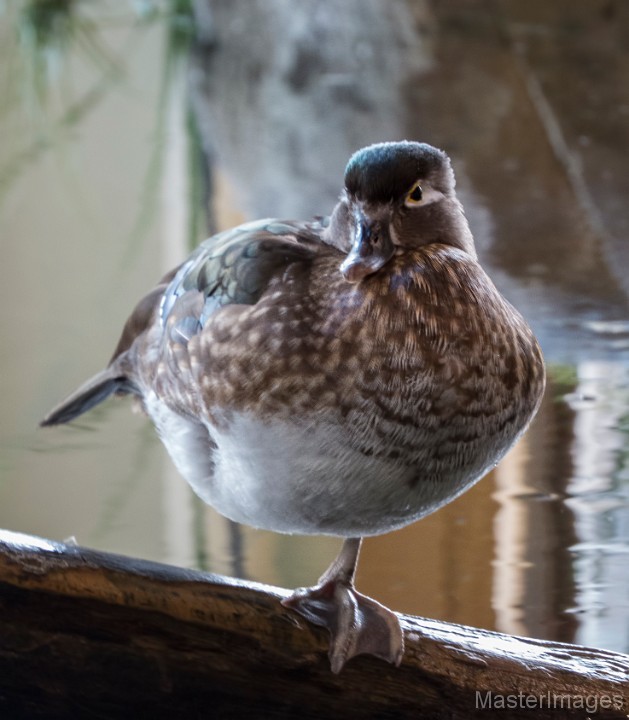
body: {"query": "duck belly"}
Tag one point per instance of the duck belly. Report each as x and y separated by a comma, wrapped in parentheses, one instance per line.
(301, 478)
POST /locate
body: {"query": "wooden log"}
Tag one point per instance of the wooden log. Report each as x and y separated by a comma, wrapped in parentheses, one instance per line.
(90, 634)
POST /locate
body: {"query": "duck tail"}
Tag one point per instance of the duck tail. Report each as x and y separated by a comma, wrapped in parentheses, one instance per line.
(94, 391)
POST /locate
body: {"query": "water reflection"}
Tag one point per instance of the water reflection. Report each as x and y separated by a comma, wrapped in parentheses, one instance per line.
(531, 102)
(598, 498)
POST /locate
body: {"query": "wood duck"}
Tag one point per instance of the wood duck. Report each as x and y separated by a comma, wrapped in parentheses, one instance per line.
(345, 376)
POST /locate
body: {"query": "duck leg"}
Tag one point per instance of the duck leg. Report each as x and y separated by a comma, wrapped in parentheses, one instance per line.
(356, 623)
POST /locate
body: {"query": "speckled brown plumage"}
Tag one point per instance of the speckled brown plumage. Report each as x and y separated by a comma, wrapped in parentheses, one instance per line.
(344, 377)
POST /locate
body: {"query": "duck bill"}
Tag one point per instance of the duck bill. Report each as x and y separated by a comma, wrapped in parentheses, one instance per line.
(372, 247)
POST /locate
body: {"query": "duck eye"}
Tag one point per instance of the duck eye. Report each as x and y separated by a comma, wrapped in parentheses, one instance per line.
(415, 195)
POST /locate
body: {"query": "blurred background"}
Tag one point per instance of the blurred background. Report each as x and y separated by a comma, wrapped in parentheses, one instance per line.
(130, 130)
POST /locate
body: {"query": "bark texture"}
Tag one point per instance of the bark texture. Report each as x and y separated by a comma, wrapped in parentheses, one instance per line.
(90, 634)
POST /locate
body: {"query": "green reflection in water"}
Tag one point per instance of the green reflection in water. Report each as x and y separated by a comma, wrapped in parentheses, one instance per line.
(48, 38)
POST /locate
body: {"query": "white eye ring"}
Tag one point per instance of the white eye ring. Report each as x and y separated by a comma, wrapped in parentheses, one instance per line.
(428, 195)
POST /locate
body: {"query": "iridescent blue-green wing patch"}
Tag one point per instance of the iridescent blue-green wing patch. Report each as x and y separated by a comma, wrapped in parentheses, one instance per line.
(234, 267)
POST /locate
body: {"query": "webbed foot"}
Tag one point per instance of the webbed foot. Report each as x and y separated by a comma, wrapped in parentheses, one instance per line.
(357, 623)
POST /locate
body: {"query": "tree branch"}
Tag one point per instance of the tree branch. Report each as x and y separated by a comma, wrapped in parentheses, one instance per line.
(84, 632)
